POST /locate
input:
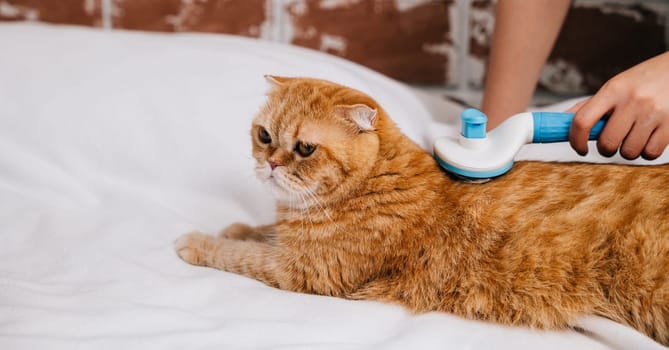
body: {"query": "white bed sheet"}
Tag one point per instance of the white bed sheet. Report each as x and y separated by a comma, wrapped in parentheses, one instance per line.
(112, 144)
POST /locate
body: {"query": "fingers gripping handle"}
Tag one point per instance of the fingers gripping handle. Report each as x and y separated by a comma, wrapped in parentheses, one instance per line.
(554, 127)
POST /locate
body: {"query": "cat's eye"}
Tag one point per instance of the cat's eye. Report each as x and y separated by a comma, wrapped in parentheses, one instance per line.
(263, 135)
(304, 149)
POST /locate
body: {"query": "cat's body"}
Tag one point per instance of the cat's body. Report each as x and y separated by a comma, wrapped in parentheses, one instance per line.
(372, 216)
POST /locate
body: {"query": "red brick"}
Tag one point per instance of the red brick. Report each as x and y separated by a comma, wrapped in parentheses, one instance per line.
(599, 39)
(240, 17)
(83, 12)
(403, 39)
(598, 42)
(481, 23)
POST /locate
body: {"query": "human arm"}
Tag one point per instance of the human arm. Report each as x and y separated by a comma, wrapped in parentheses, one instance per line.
(524, 34)
(638, 100)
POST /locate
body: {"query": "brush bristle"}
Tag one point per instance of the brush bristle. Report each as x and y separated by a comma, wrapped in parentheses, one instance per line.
(469, 180)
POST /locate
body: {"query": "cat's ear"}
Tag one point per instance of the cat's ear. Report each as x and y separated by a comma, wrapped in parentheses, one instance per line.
(274, 80)
(362, 115)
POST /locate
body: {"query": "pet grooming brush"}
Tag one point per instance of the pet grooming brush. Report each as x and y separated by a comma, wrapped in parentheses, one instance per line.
(477, 156)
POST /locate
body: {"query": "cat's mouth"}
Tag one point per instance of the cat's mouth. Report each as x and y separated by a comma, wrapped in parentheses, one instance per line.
(288, 189)
(274, 182)
(277, 185)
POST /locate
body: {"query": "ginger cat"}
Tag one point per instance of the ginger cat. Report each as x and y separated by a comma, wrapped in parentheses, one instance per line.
(364, 213)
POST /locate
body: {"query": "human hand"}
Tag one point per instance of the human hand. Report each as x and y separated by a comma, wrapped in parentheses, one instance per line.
(638, 100)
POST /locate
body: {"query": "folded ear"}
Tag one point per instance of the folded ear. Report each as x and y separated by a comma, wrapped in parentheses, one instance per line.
(362, 115)
(275, 80)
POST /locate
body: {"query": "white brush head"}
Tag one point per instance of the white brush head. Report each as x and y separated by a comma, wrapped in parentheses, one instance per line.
(488, 156)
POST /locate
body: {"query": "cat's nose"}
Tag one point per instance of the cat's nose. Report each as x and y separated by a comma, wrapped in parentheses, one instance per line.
(273, 164)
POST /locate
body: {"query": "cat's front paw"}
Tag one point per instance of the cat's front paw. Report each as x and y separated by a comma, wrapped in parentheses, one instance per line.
(196, 248)
(238, 231)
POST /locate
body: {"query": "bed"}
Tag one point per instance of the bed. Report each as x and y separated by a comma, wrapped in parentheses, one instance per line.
(112, 144)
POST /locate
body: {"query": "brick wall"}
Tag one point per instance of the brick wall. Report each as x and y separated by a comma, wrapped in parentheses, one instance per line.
(440, 43)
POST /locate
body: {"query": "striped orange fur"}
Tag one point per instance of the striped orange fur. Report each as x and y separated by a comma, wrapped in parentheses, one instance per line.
(370, 215)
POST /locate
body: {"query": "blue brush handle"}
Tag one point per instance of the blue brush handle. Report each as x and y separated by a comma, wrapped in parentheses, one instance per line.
(554, 127)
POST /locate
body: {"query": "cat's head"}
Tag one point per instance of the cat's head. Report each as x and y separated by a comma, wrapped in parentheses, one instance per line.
(314, 140)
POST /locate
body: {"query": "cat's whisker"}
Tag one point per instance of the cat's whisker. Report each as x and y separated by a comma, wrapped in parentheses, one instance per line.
(294, 209)
(318, 202)
(310, 193)
(305, 208)
(302, 223)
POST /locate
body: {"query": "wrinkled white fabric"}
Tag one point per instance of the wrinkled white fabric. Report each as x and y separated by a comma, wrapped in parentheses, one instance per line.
(112, 144)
